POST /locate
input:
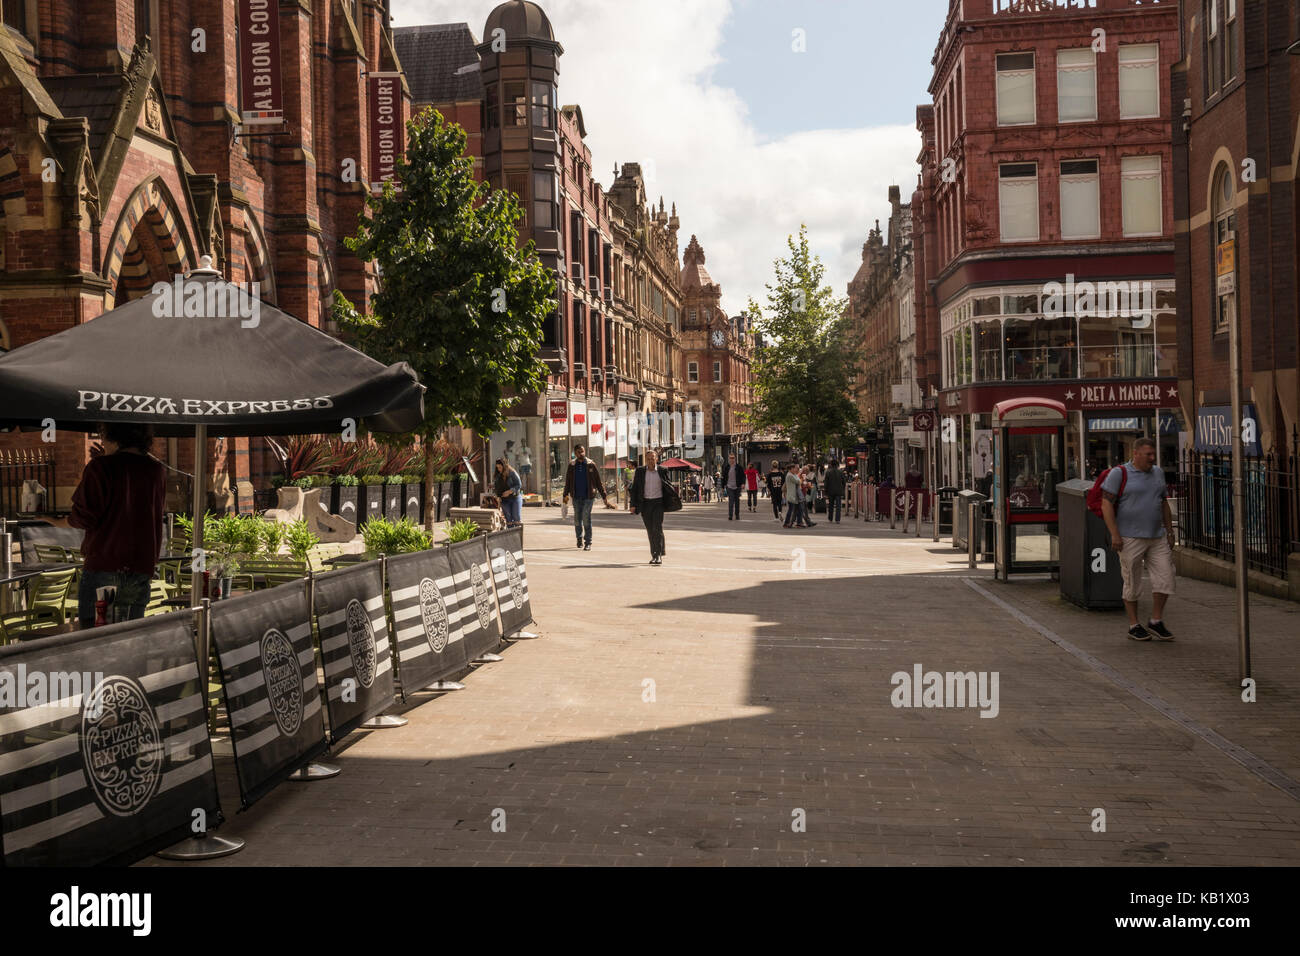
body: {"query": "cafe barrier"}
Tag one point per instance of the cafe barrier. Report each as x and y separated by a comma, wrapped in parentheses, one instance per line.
(474, 611)
(268, 671)
(429, 647)
(354, 646)
(104, 748)
(510, 577)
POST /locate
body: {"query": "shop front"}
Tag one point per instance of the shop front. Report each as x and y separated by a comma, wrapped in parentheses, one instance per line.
(1104, 419)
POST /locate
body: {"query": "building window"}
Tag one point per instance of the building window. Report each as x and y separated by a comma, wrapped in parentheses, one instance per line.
(1016, 106)
(1080, 209)
(516, 105)
(493, 120)
(1213, 49)
(1141, 195)
(1225, 230)
(144, 23)
(692, 315)
(517, 183)
(544, 200)
(717, 371)
(15, 16)
(1018, 201)
(1076, 86)
(692, 371)
(543, 100)
(1231, 22)
(1139, 81)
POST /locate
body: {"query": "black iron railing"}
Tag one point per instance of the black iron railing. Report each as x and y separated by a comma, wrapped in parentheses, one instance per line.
(20, 465)
(1272, 525)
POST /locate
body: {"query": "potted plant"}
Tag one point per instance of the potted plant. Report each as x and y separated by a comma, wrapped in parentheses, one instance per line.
(343, 500)
(461, 530)
(393, 497)
(413, 496)
(300, 539)
(372, 494)
(228, 538)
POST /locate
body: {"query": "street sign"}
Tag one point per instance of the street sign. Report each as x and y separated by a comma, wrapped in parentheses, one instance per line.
(923, 422)
(882, 421)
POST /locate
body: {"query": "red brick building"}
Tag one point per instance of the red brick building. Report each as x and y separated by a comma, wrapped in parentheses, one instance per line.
(124, 158)
(1046, 199)
(612, 344)
(717, 350)
(1235, 158)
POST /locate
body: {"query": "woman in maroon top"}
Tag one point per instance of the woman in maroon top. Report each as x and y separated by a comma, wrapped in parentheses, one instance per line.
(119, 504)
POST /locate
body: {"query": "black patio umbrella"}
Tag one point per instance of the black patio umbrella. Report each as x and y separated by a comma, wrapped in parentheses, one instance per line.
(203, 358)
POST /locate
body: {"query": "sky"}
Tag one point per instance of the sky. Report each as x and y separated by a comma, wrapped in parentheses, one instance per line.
(747, 134)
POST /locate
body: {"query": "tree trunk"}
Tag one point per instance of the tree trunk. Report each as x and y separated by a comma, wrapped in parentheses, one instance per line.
(430, 495)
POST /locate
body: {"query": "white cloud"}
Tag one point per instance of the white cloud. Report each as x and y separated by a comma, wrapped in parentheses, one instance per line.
(641, 70)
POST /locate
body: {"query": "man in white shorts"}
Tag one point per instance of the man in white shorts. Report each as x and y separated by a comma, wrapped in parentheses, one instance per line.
(1134, 506)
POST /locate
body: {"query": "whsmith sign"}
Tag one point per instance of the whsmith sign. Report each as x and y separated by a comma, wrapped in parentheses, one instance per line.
(1214, 430)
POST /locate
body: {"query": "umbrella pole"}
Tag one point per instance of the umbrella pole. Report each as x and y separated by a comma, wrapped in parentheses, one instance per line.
(200, 497)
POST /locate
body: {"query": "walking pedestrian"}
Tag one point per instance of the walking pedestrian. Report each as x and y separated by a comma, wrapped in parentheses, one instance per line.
(708, 487)
(733, 479)
(119, 504)
(751, 485)
(647, 500)
(834, 485)
(582, 484)
(507, 485)
(807, 490)
(775, 478)
(791, 489)
(1135, 506)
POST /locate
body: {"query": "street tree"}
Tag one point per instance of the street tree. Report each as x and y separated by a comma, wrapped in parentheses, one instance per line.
(459, 298)
(801, 375)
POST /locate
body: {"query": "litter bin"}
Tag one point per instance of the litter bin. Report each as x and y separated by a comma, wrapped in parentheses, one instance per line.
(947, 495)
(961, 530)
(1090, 575)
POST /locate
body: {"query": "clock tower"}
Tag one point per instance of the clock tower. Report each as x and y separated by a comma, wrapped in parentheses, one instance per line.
(716, 349)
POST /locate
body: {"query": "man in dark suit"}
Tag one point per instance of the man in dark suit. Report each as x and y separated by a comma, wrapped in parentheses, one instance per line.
(647, 499)
(733, 480)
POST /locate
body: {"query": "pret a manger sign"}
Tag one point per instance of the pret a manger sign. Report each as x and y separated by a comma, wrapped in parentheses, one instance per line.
(261, 94)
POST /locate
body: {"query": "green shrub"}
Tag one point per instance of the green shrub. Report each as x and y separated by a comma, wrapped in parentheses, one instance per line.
(272, 534)
(347, 481)
(372, 479)
(394, 479)
(278, 481)
(300, 539)
(461, 530)
(382, 536)
(304, 482)
(321, 481)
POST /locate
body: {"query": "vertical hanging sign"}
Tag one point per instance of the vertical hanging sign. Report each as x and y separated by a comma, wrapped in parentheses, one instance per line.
(261, 93)
(384, 107)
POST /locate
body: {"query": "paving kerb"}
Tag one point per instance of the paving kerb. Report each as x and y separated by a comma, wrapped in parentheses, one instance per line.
(772, 693)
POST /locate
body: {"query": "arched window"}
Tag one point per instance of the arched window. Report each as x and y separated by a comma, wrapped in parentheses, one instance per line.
(1223, 237)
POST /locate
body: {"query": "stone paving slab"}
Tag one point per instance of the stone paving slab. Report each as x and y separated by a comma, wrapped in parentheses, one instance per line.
(772, 705)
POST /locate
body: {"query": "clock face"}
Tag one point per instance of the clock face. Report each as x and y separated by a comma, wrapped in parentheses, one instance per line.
(719, 338)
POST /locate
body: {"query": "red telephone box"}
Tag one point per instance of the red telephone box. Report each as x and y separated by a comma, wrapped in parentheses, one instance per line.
(1028, 461)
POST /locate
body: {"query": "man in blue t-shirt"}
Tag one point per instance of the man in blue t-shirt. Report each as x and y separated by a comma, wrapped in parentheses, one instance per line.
(1142, 532)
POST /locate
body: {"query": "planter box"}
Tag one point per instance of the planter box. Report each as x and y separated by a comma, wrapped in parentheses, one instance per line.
(343, 502)
(413, 501)
(372, 497)
(393, 502)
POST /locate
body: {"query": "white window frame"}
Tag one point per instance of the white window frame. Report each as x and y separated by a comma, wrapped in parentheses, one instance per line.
(1033, 72)
(1092, 69)
(1155, 67)
(1095, 178)
(1002, 218)
(692, 371)
(1126, 176)
(717, 371)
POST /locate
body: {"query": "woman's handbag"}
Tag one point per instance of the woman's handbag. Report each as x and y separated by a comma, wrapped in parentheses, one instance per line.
(672, 500)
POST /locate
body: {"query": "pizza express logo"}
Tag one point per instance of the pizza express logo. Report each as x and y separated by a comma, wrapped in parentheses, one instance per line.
(121, 746)
(482, 600)
(513, 576)
(361, 643)
(283, 681)
(434, 613)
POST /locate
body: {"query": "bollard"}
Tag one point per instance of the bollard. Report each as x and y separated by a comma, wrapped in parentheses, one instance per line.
(934, 513)
(973, 517)
(6, 567)
(893, 509)
(919, 501)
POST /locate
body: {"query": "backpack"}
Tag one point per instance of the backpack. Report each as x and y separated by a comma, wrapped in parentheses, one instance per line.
(1094, 497)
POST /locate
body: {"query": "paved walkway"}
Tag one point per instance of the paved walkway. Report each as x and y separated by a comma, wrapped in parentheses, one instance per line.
(734, 707)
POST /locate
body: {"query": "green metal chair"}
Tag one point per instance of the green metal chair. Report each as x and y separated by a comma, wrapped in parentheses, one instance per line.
(269, 572)
(159, 591)
(48, 597)
(51, 554)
